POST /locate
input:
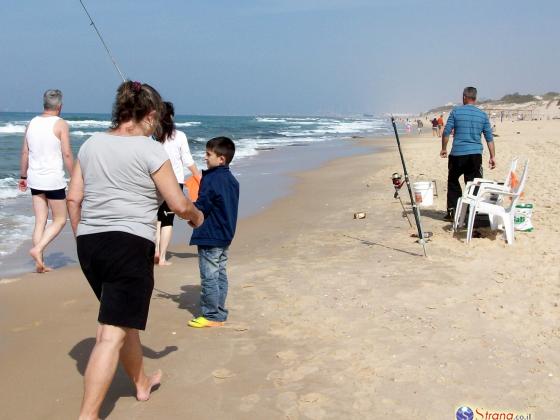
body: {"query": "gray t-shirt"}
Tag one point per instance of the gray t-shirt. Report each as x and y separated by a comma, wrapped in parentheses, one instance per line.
(119, 193)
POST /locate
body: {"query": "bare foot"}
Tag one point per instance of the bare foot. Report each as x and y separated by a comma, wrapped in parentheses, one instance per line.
(164, 262)
(156, 258)
(143, 393)
(38, 257)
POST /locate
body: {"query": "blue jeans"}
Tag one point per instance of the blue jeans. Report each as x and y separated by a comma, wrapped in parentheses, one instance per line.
(212, 263)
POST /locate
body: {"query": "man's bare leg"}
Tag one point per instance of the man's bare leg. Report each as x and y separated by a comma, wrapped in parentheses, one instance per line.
(164, 240)
(132, 359)
(59, 213)
(100, 369)
(41, 212)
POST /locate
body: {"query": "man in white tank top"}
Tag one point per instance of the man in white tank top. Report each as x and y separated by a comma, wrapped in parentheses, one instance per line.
(46, 149)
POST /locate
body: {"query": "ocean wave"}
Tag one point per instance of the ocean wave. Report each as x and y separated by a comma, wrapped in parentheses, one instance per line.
(81, 133)
(9, 189)
(14, 230)
(10, 128)
(271, 120)
(188, 124)
(88, 123)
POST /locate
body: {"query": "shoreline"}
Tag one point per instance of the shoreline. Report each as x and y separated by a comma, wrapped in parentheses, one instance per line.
(331, 317)
(272, 167)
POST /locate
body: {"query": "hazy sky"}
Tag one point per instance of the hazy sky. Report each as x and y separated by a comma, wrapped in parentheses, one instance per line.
(239, 57)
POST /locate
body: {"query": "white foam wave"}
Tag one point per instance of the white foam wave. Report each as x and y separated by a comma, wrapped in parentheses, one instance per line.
(14, 230)
(188, 124)
(10, 128)
(81, 133)
(89, 124)
(271, 120)
(9, 189)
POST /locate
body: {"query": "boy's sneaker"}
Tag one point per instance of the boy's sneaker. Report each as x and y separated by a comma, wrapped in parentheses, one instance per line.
(450, 215)
(202, 322)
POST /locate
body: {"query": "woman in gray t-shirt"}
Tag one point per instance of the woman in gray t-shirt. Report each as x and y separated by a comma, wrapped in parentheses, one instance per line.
(117, 184)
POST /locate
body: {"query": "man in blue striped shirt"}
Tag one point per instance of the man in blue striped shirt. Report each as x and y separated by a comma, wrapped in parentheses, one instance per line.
(467, 123)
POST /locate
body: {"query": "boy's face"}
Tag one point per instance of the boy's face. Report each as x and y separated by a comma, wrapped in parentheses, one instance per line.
(212, 160)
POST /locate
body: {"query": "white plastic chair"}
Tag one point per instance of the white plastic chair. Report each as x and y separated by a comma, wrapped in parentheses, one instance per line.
(499, 213)
(475, 188)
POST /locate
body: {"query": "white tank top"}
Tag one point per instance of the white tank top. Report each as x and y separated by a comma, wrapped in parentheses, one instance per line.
(45, 170)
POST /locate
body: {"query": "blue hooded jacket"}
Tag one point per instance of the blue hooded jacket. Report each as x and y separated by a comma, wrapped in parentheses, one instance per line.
(218, 199)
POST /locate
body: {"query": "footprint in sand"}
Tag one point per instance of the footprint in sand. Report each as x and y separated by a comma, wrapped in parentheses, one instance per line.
(280, 378)
(27, 327)
(247, 349)
(222, 374)
(341, 354)
(287, 357)
(287, 402)
(248, 402)
(311, 405)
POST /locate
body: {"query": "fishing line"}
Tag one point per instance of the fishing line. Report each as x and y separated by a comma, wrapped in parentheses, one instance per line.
(92, 23)
(415, 210)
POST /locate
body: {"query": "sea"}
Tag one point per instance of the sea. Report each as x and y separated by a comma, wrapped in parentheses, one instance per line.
(252, 135)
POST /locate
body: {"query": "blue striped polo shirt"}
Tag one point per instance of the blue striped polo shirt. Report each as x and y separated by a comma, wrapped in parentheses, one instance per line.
(469, 123)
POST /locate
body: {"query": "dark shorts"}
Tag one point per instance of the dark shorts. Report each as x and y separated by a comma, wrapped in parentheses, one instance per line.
(119, 267)
(52, 194)
(164, 214)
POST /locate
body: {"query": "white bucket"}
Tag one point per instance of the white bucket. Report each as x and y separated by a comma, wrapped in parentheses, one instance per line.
(423, 193)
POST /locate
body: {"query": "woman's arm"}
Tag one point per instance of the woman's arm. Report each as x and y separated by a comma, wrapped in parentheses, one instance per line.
(195, 172)
(75, 197)
(186, 157)
(166, 183)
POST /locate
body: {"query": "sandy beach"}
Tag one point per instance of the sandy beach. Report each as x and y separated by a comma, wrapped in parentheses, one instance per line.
(330, 317)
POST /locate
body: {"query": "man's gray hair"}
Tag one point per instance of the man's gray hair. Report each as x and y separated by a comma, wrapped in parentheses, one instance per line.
(470, 93)
(52, 99)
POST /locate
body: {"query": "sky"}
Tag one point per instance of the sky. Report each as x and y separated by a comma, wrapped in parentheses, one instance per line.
(286, 57)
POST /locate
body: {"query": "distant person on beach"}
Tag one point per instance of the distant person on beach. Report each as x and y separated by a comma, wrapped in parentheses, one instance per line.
(435, 128)
(468, 123)
(177, 147)
(46, 149)
(420, 125)
(219, 200)
(113, 202)
(440, 125)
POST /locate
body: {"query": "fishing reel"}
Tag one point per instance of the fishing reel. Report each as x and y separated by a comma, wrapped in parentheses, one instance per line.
(398, 182)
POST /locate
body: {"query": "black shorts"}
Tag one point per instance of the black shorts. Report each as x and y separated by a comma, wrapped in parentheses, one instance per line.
(52, 194)
(165, 215)
(119, 267)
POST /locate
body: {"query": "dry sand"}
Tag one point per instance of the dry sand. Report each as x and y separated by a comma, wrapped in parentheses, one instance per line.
(330, 317)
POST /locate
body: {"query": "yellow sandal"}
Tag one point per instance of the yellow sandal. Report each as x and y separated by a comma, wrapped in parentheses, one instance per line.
(202, 322)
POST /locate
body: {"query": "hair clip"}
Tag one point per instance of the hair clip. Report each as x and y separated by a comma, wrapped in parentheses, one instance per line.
(136, 86)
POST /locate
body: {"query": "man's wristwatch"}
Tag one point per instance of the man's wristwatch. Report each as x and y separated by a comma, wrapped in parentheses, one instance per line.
(22, 177)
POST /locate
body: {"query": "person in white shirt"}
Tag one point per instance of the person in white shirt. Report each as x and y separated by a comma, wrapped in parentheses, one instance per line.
(177, 147)
(46, 149)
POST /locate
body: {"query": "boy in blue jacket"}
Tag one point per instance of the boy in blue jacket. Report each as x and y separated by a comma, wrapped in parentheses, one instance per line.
(218, 199)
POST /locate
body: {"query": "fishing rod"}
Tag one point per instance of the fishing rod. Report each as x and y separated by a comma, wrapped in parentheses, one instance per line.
(92, 23)
(415, 210)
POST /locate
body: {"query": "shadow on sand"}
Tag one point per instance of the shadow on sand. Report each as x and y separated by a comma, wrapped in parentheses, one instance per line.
(121, 385)
(181, 255)
(371, 243)
(58, 260)
(188, 298)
